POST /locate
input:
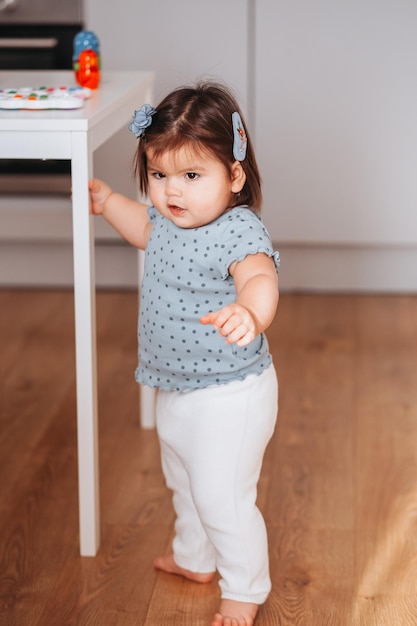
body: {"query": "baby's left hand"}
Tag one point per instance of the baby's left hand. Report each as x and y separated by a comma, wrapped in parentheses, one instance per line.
(234, 322)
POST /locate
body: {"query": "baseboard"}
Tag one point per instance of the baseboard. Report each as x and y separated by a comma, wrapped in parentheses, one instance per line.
(51, 265)
(36, 246)
(348, 268)
(303, 268)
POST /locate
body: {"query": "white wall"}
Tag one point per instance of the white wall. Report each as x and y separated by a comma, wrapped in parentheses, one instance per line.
(336, 119)
(336, 102)
(330, 93)
(181, 41)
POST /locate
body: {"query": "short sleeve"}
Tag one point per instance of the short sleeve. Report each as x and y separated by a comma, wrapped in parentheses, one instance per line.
(244, 234)
(152, 213)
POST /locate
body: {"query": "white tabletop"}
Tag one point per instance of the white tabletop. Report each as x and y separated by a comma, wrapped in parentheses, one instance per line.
(45, 134)
(116, 87)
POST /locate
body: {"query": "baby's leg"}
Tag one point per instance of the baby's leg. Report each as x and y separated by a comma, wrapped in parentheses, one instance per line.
(222, 435)
(240, 423)
(193, 555)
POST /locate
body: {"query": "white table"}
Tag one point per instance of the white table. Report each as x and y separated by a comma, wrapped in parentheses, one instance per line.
(75, 135)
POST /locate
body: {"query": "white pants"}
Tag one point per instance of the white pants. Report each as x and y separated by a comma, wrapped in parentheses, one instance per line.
(212, 445)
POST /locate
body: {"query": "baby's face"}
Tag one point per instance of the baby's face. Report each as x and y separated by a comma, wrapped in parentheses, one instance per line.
(188, 187)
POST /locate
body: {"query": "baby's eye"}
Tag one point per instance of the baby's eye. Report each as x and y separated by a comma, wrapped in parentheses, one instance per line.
(157, 175)
(192, 176)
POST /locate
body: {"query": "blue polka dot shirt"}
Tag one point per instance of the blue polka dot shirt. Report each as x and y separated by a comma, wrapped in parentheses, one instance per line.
(186, 276)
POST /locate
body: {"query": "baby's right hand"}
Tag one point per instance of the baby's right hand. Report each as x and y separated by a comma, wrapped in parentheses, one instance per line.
(100, 192)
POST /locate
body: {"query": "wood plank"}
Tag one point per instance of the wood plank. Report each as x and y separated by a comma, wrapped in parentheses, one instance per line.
(386, 463)
(338, 487)
(309, 505)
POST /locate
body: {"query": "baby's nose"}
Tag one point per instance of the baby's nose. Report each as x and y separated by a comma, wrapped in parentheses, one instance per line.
(172, 188)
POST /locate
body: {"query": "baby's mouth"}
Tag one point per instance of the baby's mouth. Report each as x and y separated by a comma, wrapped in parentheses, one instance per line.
(176, 210)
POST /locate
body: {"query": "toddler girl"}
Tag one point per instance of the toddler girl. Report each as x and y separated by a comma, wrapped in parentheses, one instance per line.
(209, 290)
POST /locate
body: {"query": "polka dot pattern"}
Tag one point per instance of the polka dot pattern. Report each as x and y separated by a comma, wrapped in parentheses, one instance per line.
(186, 276)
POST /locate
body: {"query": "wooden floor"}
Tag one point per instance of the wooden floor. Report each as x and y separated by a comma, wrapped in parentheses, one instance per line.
(338, 488)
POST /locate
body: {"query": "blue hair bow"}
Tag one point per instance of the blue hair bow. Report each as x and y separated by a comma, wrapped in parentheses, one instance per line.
(142, 119)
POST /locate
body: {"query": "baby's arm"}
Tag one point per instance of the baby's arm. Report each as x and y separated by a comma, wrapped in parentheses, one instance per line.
(128, 217)
(257, 299)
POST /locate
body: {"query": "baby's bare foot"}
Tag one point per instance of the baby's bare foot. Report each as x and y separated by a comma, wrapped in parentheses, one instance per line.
(167, 564)
(234, 613)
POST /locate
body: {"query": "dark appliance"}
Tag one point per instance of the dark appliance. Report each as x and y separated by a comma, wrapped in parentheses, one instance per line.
(37, 35)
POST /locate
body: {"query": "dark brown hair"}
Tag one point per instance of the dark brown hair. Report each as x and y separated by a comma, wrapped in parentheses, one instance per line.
(200, 116)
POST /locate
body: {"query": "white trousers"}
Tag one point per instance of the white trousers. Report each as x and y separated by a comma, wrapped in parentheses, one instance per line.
(212, 445)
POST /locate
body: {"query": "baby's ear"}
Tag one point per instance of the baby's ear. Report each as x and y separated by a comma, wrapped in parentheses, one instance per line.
(238, 177)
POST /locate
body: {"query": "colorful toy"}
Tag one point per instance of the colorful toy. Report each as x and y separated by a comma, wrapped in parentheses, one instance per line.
(43, 98)
(86, 59)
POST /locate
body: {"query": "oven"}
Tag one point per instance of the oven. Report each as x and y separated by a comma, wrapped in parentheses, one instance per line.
(37, 35)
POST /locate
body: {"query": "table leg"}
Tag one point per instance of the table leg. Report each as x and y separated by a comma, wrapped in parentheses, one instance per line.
(147, 397)
(85, 343)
